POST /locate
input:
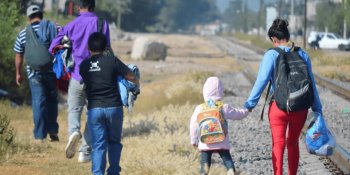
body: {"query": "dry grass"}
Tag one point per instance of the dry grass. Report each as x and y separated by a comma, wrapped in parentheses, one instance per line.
(32, 158)
(164, 148)
(331, 64)
(176, 89)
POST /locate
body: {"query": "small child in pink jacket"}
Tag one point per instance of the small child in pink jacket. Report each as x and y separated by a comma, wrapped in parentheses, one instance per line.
(213, 91)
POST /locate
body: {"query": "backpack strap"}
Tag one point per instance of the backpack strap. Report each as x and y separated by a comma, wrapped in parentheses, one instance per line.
(100, 21)
(280, 51)
(31, 35)
(267, 95)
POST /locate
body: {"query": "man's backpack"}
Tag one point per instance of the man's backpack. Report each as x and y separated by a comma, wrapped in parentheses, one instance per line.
(36, 53)
(293, 85)
(212, 126)
(100, 22)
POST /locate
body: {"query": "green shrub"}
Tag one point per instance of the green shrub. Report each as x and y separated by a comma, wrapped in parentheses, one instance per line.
(7, 134)
(10, 11)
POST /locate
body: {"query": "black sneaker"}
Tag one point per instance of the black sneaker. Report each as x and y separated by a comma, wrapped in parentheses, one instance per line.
(54, 138)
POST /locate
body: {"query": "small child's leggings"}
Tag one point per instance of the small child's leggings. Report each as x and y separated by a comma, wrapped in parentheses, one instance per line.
(206, 160)
(279, 121)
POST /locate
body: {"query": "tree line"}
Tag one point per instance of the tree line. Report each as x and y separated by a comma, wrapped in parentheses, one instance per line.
(158, 15)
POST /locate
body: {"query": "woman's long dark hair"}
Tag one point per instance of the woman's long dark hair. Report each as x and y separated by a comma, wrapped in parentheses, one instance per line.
(279, 29)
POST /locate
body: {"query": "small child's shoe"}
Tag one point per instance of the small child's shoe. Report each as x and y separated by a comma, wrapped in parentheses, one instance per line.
(204, 169)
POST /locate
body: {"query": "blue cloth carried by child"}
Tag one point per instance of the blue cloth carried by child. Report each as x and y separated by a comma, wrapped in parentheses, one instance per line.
(319, 139)
(127, 89)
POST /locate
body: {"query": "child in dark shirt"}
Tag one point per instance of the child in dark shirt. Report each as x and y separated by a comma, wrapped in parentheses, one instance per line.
(105, 109)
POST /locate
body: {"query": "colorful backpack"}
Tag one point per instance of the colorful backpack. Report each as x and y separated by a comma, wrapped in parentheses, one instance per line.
(212, 126)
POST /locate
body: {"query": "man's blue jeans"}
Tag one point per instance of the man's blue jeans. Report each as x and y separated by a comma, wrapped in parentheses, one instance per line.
(44, 104)
(105, 126)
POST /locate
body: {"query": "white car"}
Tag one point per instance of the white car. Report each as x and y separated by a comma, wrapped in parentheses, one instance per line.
(328, 41)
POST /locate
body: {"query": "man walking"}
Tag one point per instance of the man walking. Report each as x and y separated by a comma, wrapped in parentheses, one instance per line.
(78, 31)
(32, 45)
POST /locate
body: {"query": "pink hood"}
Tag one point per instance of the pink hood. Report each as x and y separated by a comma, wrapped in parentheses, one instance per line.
(213, 89)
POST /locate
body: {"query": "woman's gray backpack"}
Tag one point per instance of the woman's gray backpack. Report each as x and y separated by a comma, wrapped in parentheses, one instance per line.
(36, 53)
(293, 85)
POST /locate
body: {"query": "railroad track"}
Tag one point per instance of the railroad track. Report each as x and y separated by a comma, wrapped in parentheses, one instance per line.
(339, 162)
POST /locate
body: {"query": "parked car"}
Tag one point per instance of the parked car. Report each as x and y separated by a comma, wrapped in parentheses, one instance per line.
(327, 40)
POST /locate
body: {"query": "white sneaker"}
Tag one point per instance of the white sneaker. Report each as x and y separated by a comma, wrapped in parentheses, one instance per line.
(230, 172)
(84, 157)
(72, 144)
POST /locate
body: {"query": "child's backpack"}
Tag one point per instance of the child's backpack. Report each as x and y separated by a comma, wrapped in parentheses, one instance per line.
(212, 126)
(293, 85)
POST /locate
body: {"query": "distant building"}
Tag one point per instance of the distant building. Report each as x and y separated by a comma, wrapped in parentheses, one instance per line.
(50, 5)
(295, 23)
(271, 14)
(211, 28)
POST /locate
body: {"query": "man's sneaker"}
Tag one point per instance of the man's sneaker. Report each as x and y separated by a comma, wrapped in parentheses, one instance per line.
(231, 172)
(54, 138)
(84, 157)
(72, 144)
(39, 141)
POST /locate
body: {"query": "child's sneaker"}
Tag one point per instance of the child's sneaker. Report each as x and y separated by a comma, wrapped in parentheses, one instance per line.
(204, 169)
(84, 157)
(72, 144)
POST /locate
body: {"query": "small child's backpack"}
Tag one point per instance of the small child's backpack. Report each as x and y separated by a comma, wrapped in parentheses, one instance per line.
(212, 126)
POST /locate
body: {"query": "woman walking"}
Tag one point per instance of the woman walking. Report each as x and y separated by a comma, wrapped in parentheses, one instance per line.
(281, 119)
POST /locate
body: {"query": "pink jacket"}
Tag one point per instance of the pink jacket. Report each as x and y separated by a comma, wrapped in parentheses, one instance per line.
(214, 90)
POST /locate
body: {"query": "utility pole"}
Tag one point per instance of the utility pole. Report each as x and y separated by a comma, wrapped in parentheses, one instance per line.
(280, 9)
(305, 24)
(244, 12)
(260, 16)
(119, 18)
(292, 7)
(345, 8)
